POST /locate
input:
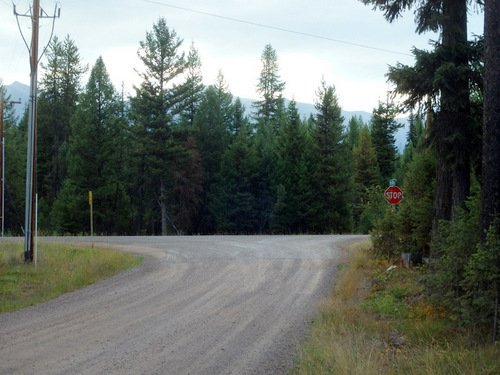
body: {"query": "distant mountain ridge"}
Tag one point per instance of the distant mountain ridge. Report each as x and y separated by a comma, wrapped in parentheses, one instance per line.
(306, 109)
(20, 91)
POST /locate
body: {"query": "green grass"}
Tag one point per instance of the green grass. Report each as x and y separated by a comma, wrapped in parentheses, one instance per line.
(60, 269)
(378, 322)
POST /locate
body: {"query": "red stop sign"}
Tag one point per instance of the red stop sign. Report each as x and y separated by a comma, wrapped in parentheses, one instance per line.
(393, 194)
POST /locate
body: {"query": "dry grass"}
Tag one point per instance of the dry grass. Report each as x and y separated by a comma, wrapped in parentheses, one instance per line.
(377, 322)
(60, 269)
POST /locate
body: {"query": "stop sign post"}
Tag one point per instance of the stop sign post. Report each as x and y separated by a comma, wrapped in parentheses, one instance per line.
(393, 195)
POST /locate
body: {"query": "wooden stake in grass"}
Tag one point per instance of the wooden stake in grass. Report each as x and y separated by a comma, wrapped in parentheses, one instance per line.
(91, 204)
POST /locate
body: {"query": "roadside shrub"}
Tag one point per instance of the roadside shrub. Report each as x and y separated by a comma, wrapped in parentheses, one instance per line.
(481, 283)
(407, 228)
(467, 274)
(370, 206)
(386, 237)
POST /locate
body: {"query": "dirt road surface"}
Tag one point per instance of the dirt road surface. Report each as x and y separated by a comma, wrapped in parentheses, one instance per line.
(197, 305)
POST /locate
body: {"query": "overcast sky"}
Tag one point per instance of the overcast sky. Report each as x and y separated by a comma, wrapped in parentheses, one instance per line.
(114, 28)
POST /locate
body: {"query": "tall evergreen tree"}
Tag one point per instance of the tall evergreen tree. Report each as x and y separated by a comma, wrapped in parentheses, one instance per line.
(354, 127)
(233, 204)
(191, 91)
(212, 135)
(211, 128)
(490, 194)
(412, 135)
(270, 89)
(414, 138)
(365, 160)
(225, 99)
(265, 147)
(188, 188)
(98, 154)
(14, 165)
(59, 91)
(334, 171)
(153, 109)
(295, 203)
(239, 118)
(383, 128)
(451, 132)
(269, 113)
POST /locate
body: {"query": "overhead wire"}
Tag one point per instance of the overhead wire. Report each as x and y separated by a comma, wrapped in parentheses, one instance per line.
(275, 28)
(19, 27)
(12, 47)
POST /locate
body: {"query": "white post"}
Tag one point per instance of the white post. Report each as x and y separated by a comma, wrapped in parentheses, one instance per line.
(36, 228)
(3, 185)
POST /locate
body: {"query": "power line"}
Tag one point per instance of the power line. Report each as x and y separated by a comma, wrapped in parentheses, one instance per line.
(275, 28)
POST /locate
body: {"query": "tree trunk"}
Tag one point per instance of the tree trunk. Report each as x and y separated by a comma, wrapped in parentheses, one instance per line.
(442, 199)
(461, 185)
(490, 193)
(452, 133)
(163, 209)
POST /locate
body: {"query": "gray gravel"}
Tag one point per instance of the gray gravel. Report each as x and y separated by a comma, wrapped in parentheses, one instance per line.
(197, 305)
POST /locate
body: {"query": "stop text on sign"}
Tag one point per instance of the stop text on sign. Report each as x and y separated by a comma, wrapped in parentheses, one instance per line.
(393, 194)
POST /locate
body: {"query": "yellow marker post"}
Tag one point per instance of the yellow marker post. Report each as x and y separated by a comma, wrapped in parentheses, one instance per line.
(91, 214)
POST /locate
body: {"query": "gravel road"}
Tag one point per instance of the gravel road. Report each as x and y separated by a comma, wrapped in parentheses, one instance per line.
(197, 305)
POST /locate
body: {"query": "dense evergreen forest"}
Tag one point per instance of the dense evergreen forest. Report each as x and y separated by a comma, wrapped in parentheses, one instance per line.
(178, 157)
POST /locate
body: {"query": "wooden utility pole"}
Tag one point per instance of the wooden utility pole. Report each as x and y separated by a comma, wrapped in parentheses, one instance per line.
(29, 217)
(30, 214)
(2, 162)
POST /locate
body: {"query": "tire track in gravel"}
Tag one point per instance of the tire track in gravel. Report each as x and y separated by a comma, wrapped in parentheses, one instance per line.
(198, 305)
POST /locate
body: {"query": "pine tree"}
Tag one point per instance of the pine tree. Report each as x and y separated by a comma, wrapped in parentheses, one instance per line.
(269, 113)
(412, 136)
(153, 109)
(191, 91)
(365, 160)
(451, 131)
(416, 210)
(264, 140)
(293, 212)
(334, 163)
(60, 88)
(269, 88)
(490, 194)
(353, 131)
(383, 128)
(98, 154)
(211, 128)
(233, 204)
(188, 188)
(212, 135)
(14, 167)
(239, 118)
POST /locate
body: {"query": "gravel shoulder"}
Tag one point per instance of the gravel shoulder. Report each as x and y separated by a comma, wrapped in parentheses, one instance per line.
(197, 305)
